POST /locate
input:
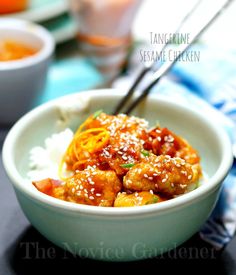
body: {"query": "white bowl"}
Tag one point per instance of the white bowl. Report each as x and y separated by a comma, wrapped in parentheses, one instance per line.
(118, 234)
(23, 80)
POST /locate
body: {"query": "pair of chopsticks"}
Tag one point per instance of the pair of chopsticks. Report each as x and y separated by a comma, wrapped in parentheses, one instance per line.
(164, 68)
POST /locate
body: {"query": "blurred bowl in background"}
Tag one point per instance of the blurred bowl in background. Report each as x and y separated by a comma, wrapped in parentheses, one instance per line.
(10, 6)
(22, 80)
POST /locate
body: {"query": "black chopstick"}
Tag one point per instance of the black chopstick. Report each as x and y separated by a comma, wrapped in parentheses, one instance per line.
(131, 90)
(165, 67)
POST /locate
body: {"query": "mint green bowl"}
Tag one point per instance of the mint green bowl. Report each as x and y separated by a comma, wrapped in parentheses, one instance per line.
(117, 234)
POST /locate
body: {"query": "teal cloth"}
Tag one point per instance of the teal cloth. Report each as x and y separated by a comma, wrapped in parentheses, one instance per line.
(69, 76)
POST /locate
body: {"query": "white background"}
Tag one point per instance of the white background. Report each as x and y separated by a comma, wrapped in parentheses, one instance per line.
(162, 16)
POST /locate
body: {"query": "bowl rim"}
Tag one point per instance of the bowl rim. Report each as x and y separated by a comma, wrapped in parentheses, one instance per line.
(186, 199)
(34, 30)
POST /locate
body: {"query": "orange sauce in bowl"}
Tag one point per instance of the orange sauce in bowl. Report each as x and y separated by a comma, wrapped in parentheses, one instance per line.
(11, 50)
(11, 6)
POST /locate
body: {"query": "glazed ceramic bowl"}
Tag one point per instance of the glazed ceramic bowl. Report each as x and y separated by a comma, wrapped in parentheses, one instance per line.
(22, 80)
(117, 234)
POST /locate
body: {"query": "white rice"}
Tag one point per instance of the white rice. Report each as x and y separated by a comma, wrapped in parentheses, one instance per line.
(44, 161)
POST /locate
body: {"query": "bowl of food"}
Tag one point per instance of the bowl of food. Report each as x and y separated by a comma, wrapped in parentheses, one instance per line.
(116, 188)
(25, 53)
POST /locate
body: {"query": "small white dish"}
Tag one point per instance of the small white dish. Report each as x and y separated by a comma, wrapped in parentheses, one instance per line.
(22, 80)
(62, 28)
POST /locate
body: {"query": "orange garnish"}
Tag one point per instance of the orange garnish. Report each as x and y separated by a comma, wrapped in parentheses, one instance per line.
(84, 144)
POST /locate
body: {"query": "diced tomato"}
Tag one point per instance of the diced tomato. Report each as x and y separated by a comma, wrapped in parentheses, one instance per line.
(46, 186)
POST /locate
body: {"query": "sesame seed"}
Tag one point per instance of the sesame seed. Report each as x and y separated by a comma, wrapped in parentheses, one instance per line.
(151, 192)
(107, 154)
(168, 138)
(90, 181)
(91, 197)
(189, 177)
(98, 195)
(164, 180)
(183, 186)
